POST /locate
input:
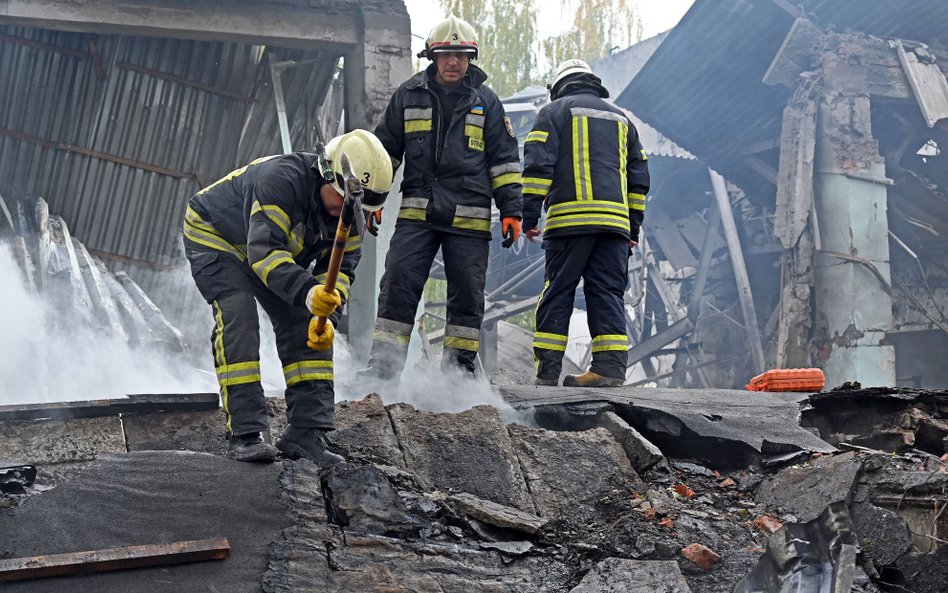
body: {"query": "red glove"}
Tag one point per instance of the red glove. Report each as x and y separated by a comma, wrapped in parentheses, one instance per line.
(510, 228)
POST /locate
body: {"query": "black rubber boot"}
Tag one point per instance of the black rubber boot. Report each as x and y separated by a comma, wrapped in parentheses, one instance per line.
(591, 379)
(546, 382)
(309, 443)
(250, 447)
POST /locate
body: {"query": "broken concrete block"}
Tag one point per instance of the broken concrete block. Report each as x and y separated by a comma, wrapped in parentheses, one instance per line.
(581, 476)
(360, 498)
(364, 432)
(642, 453)
(509, 548)
(318, 560)
(468, 452)
(701, 556)
(806, 490)
(633, 576)
(883, 535)
(925, 573)
(495, 514)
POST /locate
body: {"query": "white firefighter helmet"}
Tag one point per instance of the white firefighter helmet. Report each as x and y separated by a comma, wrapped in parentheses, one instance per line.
(451, 34)
(566, 69)
(370, 161)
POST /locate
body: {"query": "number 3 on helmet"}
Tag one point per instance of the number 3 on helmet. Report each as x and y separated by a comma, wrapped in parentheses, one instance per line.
(371, 162)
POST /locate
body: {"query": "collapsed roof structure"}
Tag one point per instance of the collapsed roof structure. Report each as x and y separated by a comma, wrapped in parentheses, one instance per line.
(829, 120)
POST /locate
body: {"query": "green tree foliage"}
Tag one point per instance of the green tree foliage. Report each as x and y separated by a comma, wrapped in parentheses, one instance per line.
(507, 43)
(599, 26)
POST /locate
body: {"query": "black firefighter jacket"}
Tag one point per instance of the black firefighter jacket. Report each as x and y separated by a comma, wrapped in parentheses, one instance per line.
(451, 188)
(584, 162)
(269, 215)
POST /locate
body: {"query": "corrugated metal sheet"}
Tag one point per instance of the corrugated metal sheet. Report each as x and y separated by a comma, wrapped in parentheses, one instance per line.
(116, 208)
(703, 86)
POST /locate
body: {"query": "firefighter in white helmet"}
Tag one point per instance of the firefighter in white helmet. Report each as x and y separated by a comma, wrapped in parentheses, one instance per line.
(251, 238)
(460, 155)
(593, 188)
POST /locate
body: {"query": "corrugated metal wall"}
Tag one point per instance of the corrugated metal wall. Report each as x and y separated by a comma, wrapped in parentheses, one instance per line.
(141, 99)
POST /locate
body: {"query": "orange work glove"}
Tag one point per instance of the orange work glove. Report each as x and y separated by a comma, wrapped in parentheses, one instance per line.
(510, 228)
(321, 341)
(321, 302)
(372, 222)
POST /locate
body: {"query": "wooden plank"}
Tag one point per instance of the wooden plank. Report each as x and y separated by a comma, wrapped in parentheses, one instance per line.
(704, 264)
(108, 407)
(762, 168)
(740, 270)
(54, 565)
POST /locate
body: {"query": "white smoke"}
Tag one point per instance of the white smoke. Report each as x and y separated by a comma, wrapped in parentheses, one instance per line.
(41, 361)
(426, 387)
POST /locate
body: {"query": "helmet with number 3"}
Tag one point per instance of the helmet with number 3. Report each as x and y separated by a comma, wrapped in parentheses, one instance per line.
(451, 34)
(370, 161)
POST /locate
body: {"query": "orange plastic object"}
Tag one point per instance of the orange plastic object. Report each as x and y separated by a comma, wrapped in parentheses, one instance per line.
(788, 380)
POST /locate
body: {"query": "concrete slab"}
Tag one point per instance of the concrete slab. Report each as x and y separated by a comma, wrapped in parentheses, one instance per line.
(751, 422)
(468, 452)
(805, 491)
(581, 476)
(43, 442)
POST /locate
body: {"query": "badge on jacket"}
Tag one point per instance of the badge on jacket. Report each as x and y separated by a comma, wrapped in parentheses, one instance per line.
(509, 125)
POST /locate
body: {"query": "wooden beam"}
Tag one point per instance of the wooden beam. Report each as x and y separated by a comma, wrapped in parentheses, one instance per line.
(740, 270)
(185, 82)
(54, 565)
(184, 402)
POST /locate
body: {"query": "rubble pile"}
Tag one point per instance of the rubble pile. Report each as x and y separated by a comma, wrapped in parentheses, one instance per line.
(75, 285)
(582, 501)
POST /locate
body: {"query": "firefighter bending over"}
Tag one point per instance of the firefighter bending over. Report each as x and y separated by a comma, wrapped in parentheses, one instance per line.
(583, 162)
(253, 237)
(459, 152)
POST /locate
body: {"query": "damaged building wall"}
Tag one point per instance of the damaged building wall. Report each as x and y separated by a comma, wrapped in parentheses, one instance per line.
(116, 113)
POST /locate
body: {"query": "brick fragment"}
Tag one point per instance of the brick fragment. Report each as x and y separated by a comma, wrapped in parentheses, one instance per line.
(701, 556)
(683, 490)
(728, 483)
(768, 523)
(667, 522)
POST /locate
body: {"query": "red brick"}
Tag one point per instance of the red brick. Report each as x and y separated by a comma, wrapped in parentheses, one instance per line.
(727, 483)
(701, 556)
(667, 522)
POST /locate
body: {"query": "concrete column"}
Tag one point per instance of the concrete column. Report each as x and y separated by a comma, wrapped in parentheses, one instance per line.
(853, 305)
(373, 70)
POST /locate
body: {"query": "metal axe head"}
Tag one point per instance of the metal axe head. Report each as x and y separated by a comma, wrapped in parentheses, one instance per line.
(353, 185)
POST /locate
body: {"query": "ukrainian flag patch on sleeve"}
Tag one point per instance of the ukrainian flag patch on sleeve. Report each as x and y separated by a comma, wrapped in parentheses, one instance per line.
(477, 110)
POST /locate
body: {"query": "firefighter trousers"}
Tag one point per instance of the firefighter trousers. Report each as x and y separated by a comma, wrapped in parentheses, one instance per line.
(233, 290)
(601, 260)
(412, 251)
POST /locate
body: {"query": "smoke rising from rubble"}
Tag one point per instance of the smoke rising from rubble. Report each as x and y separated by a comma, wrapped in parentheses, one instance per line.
(426, 387)
(42, 360)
